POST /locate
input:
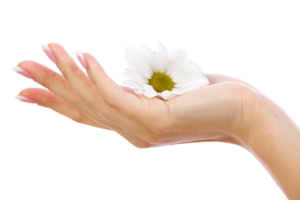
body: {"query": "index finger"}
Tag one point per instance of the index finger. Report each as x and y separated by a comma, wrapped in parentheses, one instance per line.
(114, 96)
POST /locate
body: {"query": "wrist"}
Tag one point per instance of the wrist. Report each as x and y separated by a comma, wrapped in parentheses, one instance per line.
(274, 138)
(265, 121)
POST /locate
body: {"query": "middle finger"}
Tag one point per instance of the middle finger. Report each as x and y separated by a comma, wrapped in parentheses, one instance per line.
(81, 85)
(86, 90)
(57, 84)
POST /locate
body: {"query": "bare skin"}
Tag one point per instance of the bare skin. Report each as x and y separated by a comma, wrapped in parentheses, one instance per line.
(228, 110)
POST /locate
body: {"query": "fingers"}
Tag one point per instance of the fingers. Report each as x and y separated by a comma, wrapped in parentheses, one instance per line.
(47, 99)
(58, 85)
(153, 114)
(84, 88)
(80, 82)
(113, 95)
(120, 99)
(86, 91)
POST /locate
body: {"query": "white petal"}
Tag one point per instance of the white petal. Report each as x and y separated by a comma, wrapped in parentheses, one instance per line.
(186, 72)
(176, 58)
(143, 57)
(142, 63)
(133, 84)
(150, 94)
(188, 89)
(201, 71)
(157, 62)
(142, 89)
(125, 69)
(137, 91)
(148, 88)
(134, 77)
(162, 49)
(199, 82)
(195, 80)
(137, 59)
(146, 50)
(169, 94)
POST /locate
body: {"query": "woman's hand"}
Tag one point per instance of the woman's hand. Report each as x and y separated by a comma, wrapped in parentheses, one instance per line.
(215, 112)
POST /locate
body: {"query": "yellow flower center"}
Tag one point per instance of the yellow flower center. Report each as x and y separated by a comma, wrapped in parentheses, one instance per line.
(161, 82)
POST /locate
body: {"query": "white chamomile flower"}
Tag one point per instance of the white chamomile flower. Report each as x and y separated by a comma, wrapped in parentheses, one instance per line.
(165, 74)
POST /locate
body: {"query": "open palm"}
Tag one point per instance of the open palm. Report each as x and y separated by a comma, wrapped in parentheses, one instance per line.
(211, 113)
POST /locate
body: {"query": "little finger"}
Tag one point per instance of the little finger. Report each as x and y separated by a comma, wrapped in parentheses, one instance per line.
(46, 99)
(84, 88)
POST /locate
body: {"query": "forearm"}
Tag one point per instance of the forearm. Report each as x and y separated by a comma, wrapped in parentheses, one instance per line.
(275, 142)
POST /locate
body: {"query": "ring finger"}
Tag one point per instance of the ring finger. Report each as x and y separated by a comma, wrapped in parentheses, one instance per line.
(57, 84)
(86, 90)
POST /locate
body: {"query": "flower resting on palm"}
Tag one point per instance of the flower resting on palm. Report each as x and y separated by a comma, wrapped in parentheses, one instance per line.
(164, 74)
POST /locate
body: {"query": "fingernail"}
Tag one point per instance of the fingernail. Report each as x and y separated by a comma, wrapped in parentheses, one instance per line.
(25, 99)
(81, 59)
(48, 52)
(22, 72)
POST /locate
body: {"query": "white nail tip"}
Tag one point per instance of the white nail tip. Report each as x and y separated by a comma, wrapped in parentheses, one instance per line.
(18, 69)
(45, 47)
(78, 53)
(21, 98)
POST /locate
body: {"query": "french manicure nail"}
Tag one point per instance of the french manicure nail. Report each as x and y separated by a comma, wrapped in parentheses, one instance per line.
(25, 99)
(48, 52)
(81, 59)
(22, 72)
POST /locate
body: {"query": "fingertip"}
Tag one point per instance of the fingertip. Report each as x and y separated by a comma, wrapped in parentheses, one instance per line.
(81, 59)
(93, 63)
(127, 89)
(25, 92)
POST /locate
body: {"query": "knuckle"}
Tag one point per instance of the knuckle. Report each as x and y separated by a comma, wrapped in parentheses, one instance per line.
(46, 79)
(89, 105)
(111, 103)
(93, 79)
(45, 102)
(78, 117)
(67, 64)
